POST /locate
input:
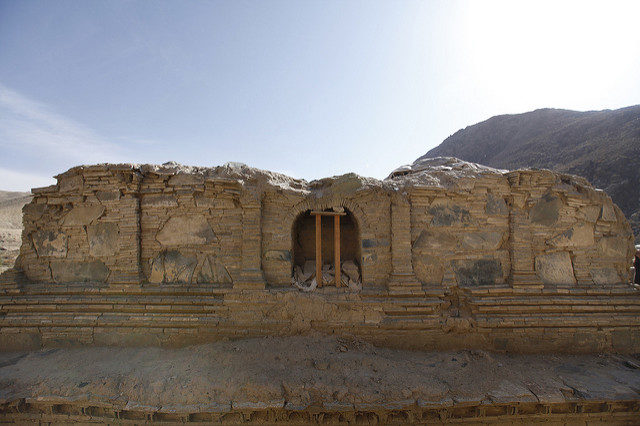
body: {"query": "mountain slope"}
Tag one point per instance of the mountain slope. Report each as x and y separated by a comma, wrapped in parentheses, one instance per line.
(11, 204)
(602, 146)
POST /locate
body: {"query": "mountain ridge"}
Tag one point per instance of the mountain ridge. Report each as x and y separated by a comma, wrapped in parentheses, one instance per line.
(602, 146)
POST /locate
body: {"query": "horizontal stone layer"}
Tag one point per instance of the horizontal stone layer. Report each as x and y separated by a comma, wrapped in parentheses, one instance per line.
(59, 410)
(41, 316)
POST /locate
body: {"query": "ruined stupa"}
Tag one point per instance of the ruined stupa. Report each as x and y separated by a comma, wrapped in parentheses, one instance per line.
(282, 284)
(441, 254)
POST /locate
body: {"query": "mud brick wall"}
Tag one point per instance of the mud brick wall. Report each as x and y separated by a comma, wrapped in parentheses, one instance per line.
(85, 229)
(191, 229)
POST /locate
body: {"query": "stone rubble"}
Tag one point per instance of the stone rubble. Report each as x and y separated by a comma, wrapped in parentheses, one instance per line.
(305, 279)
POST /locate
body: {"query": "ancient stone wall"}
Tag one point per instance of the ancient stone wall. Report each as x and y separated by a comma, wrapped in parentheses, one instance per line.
(451, 255)
(85, 229)
(524, 228)
(191, 230)
(461, 237)
(566, 232)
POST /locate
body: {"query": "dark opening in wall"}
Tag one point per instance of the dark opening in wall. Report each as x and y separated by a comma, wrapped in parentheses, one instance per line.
(304, 239)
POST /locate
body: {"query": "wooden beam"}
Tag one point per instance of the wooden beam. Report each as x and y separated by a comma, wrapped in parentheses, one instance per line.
(336, 249)
(319, 250)
(323, 213)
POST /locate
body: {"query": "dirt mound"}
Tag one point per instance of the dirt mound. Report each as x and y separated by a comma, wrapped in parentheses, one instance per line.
(11, 204)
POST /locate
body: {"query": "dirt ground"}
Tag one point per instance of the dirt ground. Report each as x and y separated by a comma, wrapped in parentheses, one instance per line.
(297, 372)
(11, 204)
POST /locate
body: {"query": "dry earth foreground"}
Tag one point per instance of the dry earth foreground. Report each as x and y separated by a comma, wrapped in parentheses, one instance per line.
(315, 379)
(276, 283)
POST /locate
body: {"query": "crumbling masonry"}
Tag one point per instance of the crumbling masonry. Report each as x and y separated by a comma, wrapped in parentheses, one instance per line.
(442, 254)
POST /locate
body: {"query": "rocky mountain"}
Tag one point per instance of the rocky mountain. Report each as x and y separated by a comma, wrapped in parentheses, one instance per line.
(602, 146)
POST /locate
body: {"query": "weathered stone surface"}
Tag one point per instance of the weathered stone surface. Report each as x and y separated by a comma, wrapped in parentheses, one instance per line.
(591, 213)
(186, 230)
(351, 270)
(377, 242)
(546, 211)
(428, 269)
(103, 239)
(435, 240)
(213, 271)
(555, 268)
(280, 255)
(608, 214)
(156, 273)
(485, 240)
(215, 203)
(50, 243)
(472, 273)
(448, 214)
(83, 215)
(181, 179)
(580, 235)
(605, 276)
(104, 196)
(178, 268)
(495, 205)
(71, 184)
(159, 201)
(34, 211)
(66, 271)
(344, 184)
(614, 247)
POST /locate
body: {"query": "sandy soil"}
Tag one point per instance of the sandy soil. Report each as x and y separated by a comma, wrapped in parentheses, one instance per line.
(297, 372)
(11, 204)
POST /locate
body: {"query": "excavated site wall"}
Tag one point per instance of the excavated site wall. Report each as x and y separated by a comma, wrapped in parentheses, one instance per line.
(525, 261)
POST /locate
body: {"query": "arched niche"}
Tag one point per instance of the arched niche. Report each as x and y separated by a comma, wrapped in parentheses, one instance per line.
(303, 240)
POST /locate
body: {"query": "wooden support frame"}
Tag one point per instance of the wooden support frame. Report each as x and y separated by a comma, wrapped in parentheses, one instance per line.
(336, 245)
(319, 250)
(336, 249)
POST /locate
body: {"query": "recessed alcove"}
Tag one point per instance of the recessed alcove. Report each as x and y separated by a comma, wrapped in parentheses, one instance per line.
(304, 239)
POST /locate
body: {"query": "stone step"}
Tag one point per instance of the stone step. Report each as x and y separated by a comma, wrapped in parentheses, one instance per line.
(498, 309)
(107, 308)
(593, 320)
(557, 300)
(414, 311)
(125, 300)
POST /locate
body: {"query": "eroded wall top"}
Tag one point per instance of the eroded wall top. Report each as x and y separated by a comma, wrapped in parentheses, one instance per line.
(439, 222)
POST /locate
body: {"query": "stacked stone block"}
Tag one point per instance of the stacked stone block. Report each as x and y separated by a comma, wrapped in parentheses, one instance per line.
(191, 229)
(85, 229)
(460, 235)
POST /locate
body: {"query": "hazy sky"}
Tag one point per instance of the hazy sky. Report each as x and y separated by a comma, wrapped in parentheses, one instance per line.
(308, 88)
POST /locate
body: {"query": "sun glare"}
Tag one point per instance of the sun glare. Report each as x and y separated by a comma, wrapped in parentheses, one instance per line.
(555, 53)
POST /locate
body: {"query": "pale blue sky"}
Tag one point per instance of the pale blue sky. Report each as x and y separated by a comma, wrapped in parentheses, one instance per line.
(308, 88)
